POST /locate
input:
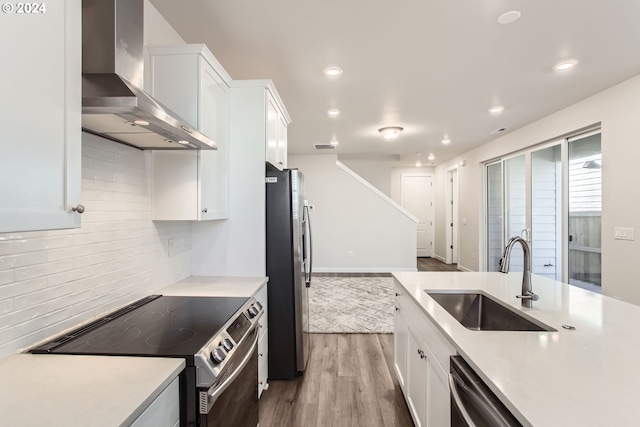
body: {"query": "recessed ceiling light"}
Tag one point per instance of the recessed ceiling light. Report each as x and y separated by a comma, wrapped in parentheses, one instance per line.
(332, 71)
(431, 157)
(391, 132)
(446, 140)
(496, 110)
(509, 17)
(334, 112)
(567, 65)
(141, 122)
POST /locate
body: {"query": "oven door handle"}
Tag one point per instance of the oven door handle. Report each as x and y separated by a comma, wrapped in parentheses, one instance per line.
(213, 396)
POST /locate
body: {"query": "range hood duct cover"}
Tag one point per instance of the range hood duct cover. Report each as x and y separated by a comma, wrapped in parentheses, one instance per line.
(112, 79)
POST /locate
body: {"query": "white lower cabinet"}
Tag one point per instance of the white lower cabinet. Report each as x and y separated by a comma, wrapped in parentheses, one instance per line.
(421, 360)
(263, 343)
(263, 363)
(400, 337)
(164, 411)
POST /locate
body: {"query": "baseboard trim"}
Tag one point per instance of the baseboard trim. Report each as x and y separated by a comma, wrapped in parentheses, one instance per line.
(463, 268)
(441, 259)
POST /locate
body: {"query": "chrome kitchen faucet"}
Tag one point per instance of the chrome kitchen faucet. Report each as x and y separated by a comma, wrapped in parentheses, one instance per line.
(527, 295)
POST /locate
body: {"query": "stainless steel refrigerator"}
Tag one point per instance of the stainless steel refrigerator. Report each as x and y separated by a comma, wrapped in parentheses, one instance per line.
(289, 266)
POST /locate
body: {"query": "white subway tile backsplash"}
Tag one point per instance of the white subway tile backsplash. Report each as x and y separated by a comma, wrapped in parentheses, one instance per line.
(51, 281)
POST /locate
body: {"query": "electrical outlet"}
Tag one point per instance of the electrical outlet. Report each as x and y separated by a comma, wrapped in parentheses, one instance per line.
(621, 233)
(171, 247)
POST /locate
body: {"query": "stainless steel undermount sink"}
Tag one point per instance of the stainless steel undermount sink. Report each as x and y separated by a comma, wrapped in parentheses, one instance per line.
(480, 312)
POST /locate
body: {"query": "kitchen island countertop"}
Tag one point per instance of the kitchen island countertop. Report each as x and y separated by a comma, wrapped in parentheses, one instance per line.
(72, 390)
(583, 377)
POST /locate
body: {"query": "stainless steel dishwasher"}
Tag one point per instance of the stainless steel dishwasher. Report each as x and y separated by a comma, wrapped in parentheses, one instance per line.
(472, 403)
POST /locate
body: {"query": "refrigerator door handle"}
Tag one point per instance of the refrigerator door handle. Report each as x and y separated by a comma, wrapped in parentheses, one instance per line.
(307, 211)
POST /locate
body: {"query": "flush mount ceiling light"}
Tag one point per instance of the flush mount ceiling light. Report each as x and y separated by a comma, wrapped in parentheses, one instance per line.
(431, 157)
(566, 65)
(334, 112)
(496, 110)
(333, 71)
(509, 17)
(334, 142)
(446, 140)
(391, 132)
(418, 164)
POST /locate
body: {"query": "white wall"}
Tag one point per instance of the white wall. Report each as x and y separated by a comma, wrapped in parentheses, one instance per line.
(355, 229)
(618, 109)
(376, 171)
(237, 246)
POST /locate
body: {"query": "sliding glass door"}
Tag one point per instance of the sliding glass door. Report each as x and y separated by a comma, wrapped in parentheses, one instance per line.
(585, 212)
(551, 196)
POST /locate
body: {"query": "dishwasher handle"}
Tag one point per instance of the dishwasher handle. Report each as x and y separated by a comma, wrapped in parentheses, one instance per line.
(476, 403)
(453, 386)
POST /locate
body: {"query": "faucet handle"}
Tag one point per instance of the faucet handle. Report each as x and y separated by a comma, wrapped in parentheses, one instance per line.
(529, 295)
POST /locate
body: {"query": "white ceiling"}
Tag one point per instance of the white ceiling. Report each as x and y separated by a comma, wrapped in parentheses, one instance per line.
(434, 67)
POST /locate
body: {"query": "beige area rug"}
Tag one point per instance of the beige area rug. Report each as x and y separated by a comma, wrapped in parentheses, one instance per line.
(351, 305)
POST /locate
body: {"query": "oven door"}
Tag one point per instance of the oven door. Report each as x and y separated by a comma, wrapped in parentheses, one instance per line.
(234, 402)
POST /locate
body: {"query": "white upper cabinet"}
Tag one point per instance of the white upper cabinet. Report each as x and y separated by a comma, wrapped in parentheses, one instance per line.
(40, 105)
(277, 122)
(191, 185)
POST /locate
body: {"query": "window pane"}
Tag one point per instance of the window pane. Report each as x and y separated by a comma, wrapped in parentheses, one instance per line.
(516, 206)
(546, 212)
(494, 216)
(585, 213)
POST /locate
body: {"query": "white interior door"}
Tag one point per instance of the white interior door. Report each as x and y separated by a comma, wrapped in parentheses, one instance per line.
(452, 217)
(417, 198)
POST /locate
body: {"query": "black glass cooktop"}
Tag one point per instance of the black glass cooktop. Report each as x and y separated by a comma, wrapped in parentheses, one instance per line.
(166, 326)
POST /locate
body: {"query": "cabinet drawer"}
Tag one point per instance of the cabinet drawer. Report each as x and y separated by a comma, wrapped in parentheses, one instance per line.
(262, 298)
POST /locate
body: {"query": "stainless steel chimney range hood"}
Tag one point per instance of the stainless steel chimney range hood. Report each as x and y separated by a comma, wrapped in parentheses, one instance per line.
(113, 104)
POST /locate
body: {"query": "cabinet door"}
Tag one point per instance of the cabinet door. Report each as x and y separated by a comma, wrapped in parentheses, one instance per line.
(40, 98)
(213, 122)
(417, 380)
(272, 133)
(263, 362)
(164, 411)
(282, 142)
(400, 337)
(438, 400)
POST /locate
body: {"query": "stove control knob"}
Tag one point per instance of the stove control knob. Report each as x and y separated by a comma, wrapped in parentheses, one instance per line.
(218, 355)
(253, 311)
(227, 344)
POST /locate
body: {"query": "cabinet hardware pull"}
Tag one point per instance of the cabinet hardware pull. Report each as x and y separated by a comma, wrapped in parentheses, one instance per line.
(79, 209)
(204, 210)
(397, 294)
(260, 354)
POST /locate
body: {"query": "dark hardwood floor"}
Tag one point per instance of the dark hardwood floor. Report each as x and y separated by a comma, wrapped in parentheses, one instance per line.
(349, 382)
(433, 264)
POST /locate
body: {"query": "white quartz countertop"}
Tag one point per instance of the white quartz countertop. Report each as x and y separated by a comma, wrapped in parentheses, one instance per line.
(70, 390)
(589, 376)
(216, 286)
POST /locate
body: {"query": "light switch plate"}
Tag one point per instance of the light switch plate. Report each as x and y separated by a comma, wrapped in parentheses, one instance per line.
(621, 233)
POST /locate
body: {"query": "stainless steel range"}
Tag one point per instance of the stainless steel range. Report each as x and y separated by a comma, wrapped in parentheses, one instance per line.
(216, 336)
